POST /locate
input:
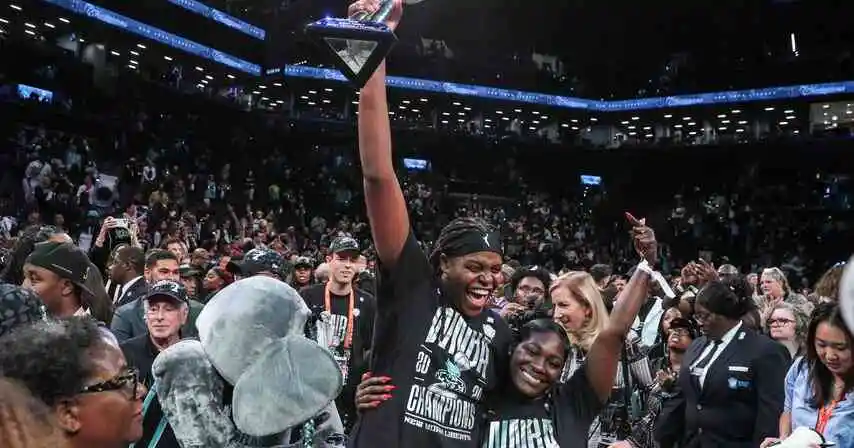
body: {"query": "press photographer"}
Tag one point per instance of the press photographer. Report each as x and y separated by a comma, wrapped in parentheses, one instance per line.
(527, 297)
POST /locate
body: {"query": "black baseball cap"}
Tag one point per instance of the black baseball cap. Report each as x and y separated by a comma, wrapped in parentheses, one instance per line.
(65, 260)
(344, 244)
(303, 262)
(259, 260)
(168, 289)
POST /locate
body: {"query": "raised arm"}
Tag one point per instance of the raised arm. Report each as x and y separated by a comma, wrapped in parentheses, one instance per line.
(601, 365)
(383, 196)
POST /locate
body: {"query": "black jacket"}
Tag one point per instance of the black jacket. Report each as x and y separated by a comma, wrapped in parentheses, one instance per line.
(741, 399)
(136, 291)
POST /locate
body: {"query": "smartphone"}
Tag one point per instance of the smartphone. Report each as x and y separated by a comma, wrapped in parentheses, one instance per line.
(122, 222)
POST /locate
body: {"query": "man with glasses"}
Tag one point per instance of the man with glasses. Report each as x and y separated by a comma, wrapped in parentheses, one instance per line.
(77, 370)
(166, 309)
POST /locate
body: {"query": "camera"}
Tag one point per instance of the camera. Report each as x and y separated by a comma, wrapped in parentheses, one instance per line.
(535, 309)
(122, 222)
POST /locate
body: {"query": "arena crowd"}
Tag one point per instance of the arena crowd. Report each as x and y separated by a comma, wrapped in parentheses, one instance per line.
(178, 272)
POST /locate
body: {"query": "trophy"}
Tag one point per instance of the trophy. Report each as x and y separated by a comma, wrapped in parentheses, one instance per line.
(359, 43)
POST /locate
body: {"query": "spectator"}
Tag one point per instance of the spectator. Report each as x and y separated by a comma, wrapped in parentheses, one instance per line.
(127, 270)
(77, 370)
(26, 422)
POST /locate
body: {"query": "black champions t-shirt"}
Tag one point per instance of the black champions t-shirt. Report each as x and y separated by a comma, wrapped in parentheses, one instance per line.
(441, 362)
(364, 308)
(352, 361)
(559, 421)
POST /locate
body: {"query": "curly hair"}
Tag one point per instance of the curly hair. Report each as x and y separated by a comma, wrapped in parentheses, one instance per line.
(25, 422)
(24, 245)
(52, 359)
(450, 238)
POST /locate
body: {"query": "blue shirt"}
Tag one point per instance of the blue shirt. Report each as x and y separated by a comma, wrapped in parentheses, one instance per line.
(840, 427)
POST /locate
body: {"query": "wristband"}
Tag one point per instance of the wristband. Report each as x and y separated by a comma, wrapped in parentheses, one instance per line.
(645, 267)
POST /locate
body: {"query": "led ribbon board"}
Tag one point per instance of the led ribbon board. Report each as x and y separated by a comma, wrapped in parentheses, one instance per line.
(220, 17)
(156, 34)
(703, 99)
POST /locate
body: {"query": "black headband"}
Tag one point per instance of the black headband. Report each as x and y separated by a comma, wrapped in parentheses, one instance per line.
(471, 242)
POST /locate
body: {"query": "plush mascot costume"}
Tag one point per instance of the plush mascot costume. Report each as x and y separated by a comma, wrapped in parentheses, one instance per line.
(254, 377)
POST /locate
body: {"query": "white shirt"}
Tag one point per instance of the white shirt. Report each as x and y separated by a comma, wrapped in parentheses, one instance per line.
(725, 340)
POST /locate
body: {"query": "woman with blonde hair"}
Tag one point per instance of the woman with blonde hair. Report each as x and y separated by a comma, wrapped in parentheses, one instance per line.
(827, 287)
(26, 422)
(580, 311)
(775, 289)
(787, 324)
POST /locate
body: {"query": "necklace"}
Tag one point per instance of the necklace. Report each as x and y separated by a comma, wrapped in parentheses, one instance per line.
(327, 299)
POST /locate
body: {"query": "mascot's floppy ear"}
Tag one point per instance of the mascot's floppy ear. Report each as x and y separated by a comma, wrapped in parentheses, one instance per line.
(253, 333)
(191, 395)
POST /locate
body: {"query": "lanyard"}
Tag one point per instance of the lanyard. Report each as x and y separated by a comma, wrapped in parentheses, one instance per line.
(327, 304)
(824, 415)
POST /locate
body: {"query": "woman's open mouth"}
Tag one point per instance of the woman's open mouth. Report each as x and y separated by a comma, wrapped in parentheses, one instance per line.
(478, 296)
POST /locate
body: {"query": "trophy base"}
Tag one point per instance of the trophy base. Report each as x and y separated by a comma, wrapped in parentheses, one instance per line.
(357, 47)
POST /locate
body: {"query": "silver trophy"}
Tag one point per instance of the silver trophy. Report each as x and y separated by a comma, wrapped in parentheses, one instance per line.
(358, 44)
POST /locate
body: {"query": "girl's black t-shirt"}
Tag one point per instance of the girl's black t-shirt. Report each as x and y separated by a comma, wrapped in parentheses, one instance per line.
(442, 363)
(561, 419)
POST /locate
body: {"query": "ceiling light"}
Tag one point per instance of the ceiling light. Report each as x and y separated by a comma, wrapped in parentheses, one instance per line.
(327, 101)
(635, 118)
(499, 112)
(405, 101)
(204, 81)
(692, 133)
(30, 32)
(467, 108)
(29, 25)
(535, 112)
(505, 118)
(199, 69)
(64, 20)
(632, 127)
(678, 126)
(230, 76)
(277, 84)
(423, 100)
(736, 111)
(692, 124)
(769, 109)
(303, 97)
(647, 128)
(488, 120)
(724, 121)
(564, 125)
(416, 111)
(575, 128)
(742, 122)
(167, 58)
(546, 116)
(15, 7)
(532, 128)
(209, 77)
(2, 20)
(134, 53)
(518, 111)
(826, 106)
(722, 116)
(256, 92)
(790, 111)
(132, 62)
(391, 112)
(686, 119)
(783, 123)
(791, 117)
(668, 116)
(649, 136)
(594, 119)
(140, 46)
(312, 92)
(462, 114)
(633, 133)
(722, 128)
(327, 89)
(446, 113)
(115, 53)
(535, 121)
(312, 103)
(574, 120)
(354, 102)
(624, 122)
(444, 121)
(264, 98)
(456, 103)
(739, 130)
(201, 86)
(262, 86)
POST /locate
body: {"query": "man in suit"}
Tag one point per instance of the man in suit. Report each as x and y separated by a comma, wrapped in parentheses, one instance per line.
(129, 319)
(732, 379)
(127, 271)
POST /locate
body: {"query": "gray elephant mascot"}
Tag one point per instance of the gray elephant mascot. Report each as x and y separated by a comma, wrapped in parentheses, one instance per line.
(254, 378)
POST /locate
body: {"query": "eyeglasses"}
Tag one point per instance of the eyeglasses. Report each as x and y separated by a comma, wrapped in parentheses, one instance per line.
(531, 290)
(127, 381)
(780, 321)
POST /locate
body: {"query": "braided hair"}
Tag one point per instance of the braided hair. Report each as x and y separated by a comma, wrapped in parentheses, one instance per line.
(451, 237)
